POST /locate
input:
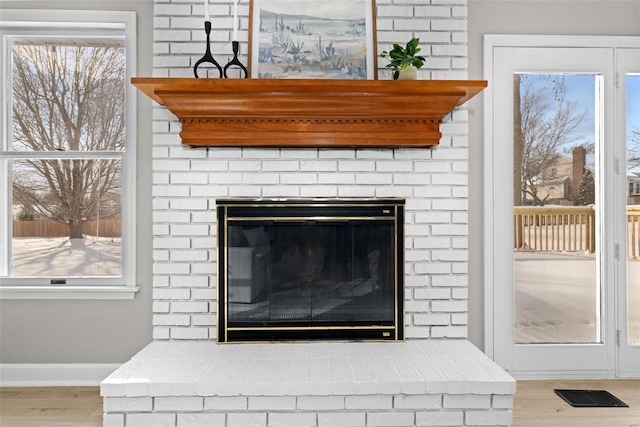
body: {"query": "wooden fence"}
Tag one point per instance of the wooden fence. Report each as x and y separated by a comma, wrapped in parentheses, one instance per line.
(48, 228)
(567, 229)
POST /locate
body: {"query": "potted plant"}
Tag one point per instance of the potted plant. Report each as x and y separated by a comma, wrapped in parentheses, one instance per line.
(404, 58)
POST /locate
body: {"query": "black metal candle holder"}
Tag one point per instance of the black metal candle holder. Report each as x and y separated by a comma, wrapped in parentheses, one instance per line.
(207, 58)
(235, 61)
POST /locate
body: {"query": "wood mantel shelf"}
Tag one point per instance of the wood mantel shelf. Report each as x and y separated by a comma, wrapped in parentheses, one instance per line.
(309, 113)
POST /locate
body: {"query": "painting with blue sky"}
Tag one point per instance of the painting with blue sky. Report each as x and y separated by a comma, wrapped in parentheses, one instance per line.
(332, 39)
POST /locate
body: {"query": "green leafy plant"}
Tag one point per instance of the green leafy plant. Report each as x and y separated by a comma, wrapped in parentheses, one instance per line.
(401, 57)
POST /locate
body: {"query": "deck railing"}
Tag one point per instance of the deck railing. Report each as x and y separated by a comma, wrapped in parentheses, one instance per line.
(554, 229)
(633, 232)
(567, 229)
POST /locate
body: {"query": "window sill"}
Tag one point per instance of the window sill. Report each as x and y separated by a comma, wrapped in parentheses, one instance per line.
(68, 292)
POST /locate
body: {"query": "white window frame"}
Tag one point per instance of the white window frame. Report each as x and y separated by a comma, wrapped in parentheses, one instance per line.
(48, 23)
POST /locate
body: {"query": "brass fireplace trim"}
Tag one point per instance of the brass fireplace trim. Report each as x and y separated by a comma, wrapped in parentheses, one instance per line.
(397, 329)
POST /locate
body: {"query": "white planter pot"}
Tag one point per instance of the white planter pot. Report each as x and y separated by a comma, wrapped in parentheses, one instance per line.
(409, 73)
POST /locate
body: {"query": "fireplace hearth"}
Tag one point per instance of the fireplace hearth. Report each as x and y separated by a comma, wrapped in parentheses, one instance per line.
(310, 269)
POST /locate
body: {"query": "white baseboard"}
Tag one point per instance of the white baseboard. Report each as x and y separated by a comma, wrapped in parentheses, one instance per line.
(563, 375)
(54, 374)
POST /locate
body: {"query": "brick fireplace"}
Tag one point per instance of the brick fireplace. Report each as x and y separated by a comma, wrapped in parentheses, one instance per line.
(436, 377)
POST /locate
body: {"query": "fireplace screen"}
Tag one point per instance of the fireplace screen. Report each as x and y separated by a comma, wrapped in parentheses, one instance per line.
(310, 270)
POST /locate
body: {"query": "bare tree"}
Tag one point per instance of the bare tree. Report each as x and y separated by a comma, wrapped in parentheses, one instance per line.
(518, 150)
(633, 149)
(548, 121)
(518, 141)
(71, 99)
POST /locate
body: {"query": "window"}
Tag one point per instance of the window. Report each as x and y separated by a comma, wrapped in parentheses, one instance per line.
(67, 154)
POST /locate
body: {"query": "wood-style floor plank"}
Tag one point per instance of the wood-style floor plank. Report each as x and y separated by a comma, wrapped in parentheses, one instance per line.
(50, 406)
(535, 405)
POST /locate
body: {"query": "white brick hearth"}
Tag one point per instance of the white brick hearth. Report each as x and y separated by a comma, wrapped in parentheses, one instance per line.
(435, 378)
(202, 384)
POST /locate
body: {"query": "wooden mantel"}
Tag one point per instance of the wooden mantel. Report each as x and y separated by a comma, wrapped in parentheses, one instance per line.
(309, 113)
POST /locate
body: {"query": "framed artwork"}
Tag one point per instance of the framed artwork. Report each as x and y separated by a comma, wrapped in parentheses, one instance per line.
(312, 39)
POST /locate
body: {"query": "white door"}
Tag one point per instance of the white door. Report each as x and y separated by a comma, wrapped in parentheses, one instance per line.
(553, 224)
(628, 125)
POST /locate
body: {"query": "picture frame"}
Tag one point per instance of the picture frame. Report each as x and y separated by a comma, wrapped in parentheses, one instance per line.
(311, 39)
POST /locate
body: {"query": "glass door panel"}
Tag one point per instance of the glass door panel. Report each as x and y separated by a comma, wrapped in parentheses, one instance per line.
(551, 242)
(555, 250)
(633, 208)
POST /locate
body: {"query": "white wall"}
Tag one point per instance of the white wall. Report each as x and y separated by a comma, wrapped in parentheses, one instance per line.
(96, 331)
(562, 17)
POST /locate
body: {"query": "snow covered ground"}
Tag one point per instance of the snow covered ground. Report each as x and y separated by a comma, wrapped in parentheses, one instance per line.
(556, 298)
(64, 257)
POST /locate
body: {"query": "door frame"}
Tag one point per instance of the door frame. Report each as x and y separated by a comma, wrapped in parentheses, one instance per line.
(609, 368)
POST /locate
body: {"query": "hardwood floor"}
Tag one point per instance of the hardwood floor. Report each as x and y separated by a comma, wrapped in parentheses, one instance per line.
(50, 407)
(535, 405)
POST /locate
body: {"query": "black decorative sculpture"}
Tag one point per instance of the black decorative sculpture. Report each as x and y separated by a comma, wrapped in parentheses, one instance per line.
(235, 61)
(207, 58)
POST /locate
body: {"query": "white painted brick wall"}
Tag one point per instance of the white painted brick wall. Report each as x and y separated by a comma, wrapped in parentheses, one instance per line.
(195, 420)
(440, 418)
(130, 404)
(178, 404)
(332, 419)
(273, 403)
(488, 418)
(409, 410)
(232, 403)
(471, 401)
(146, 420)
(113, 420)
(297, 419)
(188, 181)
(247, 419)
(369, 402)
(321, 403)
(502, 402)
(390, 419)
(418, 402)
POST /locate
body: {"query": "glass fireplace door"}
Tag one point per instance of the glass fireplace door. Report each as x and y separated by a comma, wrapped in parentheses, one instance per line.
(297, 273)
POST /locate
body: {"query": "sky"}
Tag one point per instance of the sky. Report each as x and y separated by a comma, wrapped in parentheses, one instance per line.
(633, 101)
(335, 9)
(581, 89)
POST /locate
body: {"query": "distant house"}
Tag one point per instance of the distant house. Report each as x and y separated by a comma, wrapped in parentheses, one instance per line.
(633, 184)
(559, 182)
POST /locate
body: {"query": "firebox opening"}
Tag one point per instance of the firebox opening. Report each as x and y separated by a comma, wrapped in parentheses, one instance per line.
(310, 270)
